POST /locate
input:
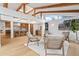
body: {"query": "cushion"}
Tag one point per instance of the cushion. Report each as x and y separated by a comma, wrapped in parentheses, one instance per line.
(54, 44)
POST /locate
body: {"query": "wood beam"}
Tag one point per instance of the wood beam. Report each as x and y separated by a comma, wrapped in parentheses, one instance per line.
(5, 5)
(57, 5)
(62, 11)
(24, 8)
(29, 11)
(34, 11)
(41, 15)
(19, 7)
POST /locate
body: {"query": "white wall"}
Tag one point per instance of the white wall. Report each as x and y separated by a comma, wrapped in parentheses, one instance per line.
(53, 26)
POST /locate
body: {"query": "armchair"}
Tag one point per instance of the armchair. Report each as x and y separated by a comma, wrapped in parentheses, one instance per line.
(32, 38)
(53, 43)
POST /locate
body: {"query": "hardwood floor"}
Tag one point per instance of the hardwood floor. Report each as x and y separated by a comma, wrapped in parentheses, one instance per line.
(16, 47)
(73, 49)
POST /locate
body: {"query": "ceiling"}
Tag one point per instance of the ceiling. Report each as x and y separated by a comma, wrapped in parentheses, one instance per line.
(46, 7)
(74, 7)
(54, 7)
(34, 5)
(12, 6)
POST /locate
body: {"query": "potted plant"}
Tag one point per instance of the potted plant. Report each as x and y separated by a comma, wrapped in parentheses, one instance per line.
(75, 26)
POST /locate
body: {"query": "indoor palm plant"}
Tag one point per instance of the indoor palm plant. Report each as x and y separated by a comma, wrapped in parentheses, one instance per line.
(74, 26)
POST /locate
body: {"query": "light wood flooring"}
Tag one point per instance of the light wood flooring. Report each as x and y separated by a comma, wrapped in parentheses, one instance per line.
(16, 47)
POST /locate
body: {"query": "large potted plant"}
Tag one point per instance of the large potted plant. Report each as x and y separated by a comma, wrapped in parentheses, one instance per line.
(75, 27)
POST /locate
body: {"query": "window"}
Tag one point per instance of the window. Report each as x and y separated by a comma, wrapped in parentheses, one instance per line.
(46, 26)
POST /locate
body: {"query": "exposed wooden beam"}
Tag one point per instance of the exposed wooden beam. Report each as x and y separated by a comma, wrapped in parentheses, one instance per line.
(57, 5)
(30, 11)
(36, 13)
(41, 15)
(19, 7)
(62, 11)
(34, 10)
(5, 5)
(24, 8)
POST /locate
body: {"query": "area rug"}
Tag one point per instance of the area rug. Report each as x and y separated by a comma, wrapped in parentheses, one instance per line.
(41, 51)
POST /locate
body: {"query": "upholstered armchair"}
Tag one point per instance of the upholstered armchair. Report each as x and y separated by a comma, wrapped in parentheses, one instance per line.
(53, 43)
(32, 38)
